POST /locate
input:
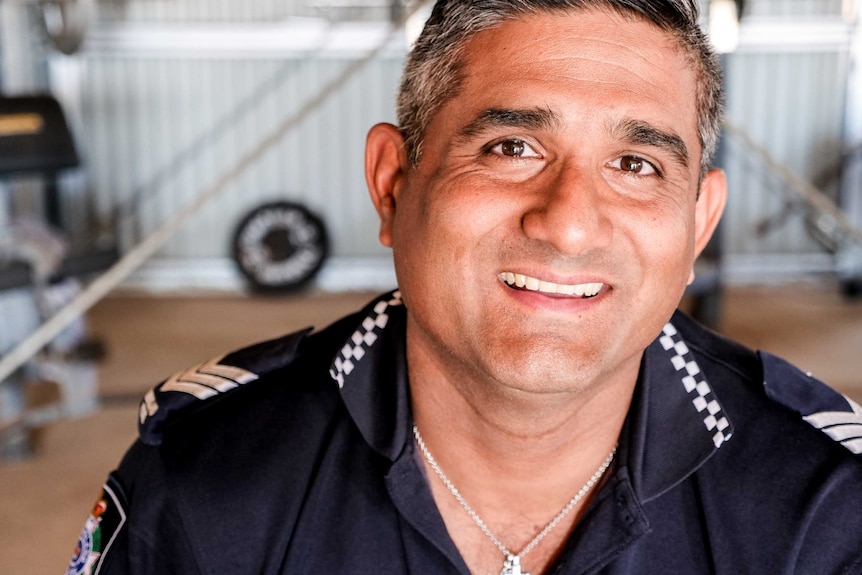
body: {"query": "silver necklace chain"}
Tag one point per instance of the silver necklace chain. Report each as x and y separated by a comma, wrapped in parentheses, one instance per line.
(513, 560)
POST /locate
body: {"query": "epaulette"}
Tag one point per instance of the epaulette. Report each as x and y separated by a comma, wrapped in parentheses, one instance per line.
(185, 391)
(834, 414)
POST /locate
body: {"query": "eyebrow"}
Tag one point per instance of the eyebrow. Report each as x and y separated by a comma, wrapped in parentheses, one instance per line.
(531, 119)
(644, 134)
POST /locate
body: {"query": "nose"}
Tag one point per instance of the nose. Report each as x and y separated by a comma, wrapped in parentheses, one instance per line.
(569, 213)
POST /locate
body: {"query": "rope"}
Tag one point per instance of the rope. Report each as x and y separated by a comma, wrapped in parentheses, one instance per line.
(102, 285)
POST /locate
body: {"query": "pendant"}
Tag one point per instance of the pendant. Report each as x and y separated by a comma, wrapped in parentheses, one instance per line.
(512, 566)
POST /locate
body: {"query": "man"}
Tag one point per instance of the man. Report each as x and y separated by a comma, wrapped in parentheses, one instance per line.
(525, 402)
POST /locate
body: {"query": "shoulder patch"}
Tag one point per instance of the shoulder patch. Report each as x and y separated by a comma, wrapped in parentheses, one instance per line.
(187, 389)
(834, 414)
(100, 531)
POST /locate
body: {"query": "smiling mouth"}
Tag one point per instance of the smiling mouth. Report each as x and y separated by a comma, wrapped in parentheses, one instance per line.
(521, 281)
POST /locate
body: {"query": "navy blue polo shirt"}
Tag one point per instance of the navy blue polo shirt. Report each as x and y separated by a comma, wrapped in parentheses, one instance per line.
(296, 456)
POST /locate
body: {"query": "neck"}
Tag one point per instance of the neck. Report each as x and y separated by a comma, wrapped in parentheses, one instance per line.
(478, 418)
(491, 439)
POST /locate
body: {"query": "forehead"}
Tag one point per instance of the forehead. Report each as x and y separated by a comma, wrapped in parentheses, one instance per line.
(584, 62)
(577, 36)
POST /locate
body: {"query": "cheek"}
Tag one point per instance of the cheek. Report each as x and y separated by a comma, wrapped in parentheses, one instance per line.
(664, 240)
(459, 215)
(431, 236)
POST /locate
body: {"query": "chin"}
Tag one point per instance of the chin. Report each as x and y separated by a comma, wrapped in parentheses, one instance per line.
(547, 370)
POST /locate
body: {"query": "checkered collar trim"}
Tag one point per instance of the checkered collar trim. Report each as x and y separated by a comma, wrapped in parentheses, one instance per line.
(356, 348)
(371, 372)
(676, 422)
(694, 382)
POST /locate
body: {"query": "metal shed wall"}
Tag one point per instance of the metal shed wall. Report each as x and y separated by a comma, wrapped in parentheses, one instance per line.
(795, 8)
(234, 11)
(786, 86)
(159, 131)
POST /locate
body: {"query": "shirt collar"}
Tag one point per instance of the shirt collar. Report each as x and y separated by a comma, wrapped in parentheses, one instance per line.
(371, 372)
(676, 421)
(674, 425)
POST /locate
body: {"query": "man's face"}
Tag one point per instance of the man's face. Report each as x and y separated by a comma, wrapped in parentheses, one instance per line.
(550, 227)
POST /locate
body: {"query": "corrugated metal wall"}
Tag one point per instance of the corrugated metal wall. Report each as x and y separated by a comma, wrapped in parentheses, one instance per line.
(795, 8)
(786, 87)
(788, 104)
(164, 114)
(161, 130)
(233, 11)
(200, 10)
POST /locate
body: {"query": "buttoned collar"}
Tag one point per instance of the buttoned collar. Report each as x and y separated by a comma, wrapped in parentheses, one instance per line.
(675, 421)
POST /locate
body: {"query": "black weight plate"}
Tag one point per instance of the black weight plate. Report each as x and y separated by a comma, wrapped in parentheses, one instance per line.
(280, 246)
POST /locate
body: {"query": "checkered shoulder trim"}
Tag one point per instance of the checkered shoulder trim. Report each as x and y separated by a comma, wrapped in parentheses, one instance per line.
(695, 385)
(363, 338)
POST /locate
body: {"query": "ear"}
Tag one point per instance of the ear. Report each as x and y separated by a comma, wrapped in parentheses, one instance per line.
(710, 206)
(708, 210)
(385, 170)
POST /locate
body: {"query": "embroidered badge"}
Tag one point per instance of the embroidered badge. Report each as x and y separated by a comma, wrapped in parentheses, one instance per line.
(100, 530)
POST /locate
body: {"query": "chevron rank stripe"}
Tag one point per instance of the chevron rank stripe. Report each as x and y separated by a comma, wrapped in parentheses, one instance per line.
(149, 406)
(844, 427)
(208, 379)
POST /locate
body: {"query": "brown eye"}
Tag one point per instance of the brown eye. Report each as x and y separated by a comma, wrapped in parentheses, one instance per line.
(513, 148)
(634, 165)
(631, 164)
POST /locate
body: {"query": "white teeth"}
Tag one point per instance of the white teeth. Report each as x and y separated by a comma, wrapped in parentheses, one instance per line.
(533, 284)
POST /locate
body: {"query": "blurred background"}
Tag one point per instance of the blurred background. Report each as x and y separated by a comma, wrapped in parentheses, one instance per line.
(182, 177)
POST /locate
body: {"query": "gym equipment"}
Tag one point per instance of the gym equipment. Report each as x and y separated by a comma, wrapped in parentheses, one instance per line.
(38, 276)
(280, 246)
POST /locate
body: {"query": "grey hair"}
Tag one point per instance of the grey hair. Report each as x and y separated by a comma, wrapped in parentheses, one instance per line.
(433, 73)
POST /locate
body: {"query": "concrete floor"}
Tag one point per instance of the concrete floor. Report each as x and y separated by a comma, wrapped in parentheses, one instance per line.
(45, 500)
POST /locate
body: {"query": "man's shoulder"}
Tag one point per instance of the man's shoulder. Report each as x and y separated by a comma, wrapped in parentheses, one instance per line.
(771, 394)
(247, 431)
(245, 383)
(788, 477)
